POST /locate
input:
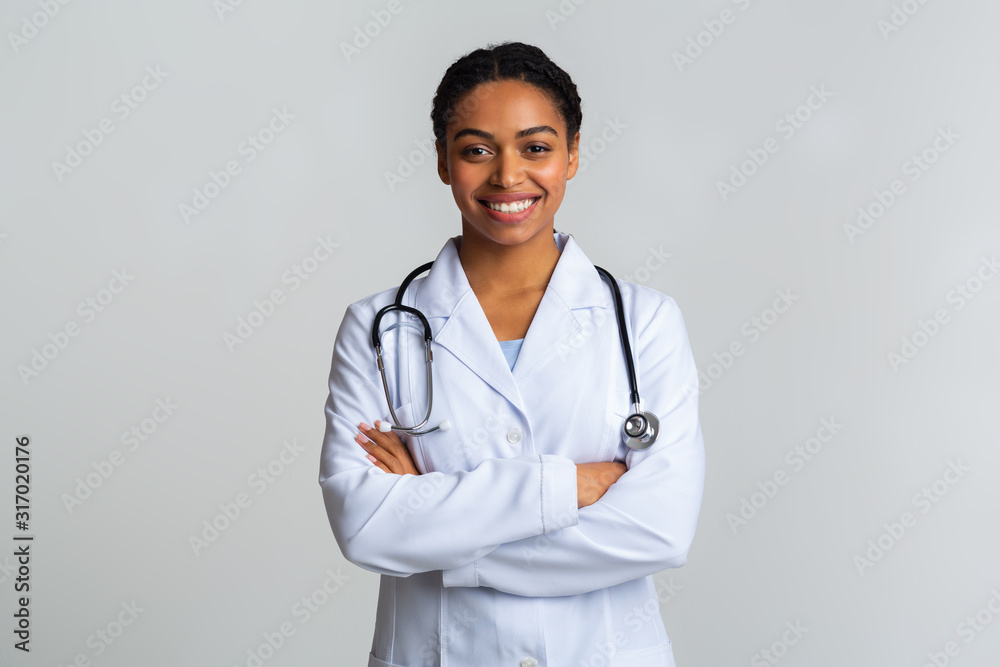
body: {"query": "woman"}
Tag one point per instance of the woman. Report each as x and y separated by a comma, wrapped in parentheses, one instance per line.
(527, 532)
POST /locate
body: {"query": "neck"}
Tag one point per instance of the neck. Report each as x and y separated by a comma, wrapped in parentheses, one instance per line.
(494, 268)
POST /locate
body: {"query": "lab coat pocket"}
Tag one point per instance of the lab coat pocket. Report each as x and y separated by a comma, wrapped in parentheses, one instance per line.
(615, 449)
(617, 411)
(403, 412)
(657, 656)
(375, 662)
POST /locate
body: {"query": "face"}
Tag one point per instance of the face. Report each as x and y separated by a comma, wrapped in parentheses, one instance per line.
(512, 143)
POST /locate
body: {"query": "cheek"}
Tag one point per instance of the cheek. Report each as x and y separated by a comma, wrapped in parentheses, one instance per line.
(553, 177)
(556, 188)
(463, 181)
(460, 190)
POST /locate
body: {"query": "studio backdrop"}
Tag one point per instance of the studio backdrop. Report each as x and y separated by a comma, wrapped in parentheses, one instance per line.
(192, 193)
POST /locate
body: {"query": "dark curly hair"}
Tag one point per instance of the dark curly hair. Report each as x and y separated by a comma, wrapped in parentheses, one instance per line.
(501, 62)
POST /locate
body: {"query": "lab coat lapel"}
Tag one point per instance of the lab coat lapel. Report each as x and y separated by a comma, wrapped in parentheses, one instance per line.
(574, 284)
(459, 323)
(461, 327)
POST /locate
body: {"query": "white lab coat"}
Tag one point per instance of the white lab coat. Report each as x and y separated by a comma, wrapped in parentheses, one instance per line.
(485, 558)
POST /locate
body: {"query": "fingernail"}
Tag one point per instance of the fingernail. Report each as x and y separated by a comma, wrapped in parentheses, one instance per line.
(360, 439)
(370, 458)
(365, 427)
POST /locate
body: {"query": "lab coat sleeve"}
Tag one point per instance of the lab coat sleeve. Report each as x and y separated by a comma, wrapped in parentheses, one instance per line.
(646, 520)
(404, 524)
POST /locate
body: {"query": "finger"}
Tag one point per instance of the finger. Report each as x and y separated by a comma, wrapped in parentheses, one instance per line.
(374, 460)
(398, 449)
(402, 462)
(377, 439)
(388, 440)
(379, 453)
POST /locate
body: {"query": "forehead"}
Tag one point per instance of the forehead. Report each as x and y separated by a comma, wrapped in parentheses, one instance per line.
(503, 108)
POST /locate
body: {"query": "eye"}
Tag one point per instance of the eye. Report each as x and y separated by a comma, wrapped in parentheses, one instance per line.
(544, 149)
(468, 151)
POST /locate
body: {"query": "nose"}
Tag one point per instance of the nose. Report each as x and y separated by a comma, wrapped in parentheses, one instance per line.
(507, 171)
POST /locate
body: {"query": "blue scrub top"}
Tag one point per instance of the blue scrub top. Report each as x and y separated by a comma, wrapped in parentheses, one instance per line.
(510, 349)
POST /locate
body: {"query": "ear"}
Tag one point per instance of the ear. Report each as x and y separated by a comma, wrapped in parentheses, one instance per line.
(442, 155)
(574, 157)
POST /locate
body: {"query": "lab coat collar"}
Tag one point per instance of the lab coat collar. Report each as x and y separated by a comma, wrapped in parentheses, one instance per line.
(466, 333)
(574, 280)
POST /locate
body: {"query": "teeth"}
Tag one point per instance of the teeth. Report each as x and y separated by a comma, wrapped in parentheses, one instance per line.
(513, 207)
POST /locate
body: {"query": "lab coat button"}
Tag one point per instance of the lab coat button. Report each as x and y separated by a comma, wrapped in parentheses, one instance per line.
(514, 437)
(528, 662)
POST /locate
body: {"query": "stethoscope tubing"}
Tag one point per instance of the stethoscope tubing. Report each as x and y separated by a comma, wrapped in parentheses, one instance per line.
(397, 304)
(623, 335)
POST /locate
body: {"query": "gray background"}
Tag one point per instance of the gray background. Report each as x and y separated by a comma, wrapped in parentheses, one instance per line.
(654, 186)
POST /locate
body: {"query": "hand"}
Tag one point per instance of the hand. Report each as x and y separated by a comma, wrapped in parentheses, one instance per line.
(594, 479)
(386, 450)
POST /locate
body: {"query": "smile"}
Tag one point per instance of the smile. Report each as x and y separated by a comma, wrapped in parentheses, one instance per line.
(513, 207)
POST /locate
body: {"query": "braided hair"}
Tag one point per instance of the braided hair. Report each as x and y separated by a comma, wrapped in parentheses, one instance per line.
(501, 62)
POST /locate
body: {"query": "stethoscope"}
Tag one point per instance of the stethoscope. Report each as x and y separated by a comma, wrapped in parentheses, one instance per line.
(639, 430)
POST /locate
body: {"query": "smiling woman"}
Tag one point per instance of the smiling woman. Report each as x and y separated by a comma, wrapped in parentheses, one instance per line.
(528, 532)
(507, 163)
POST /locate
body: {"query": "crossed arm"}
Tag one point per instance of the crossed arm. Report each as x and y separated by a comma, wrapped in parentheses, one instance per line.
(629, 520)
(388, 452)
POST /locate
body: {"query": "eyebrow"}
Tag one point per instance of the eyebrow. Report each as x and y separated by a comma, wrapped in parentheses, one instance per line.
(520, 135)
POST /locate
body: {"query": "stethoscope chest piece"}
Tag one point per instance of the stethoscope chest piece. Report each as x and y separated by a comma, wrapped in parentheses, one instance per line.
(640, 430)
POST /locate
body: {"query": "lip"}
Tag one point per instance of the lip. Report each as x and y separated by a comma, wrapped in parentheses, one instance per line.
(511, 218)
